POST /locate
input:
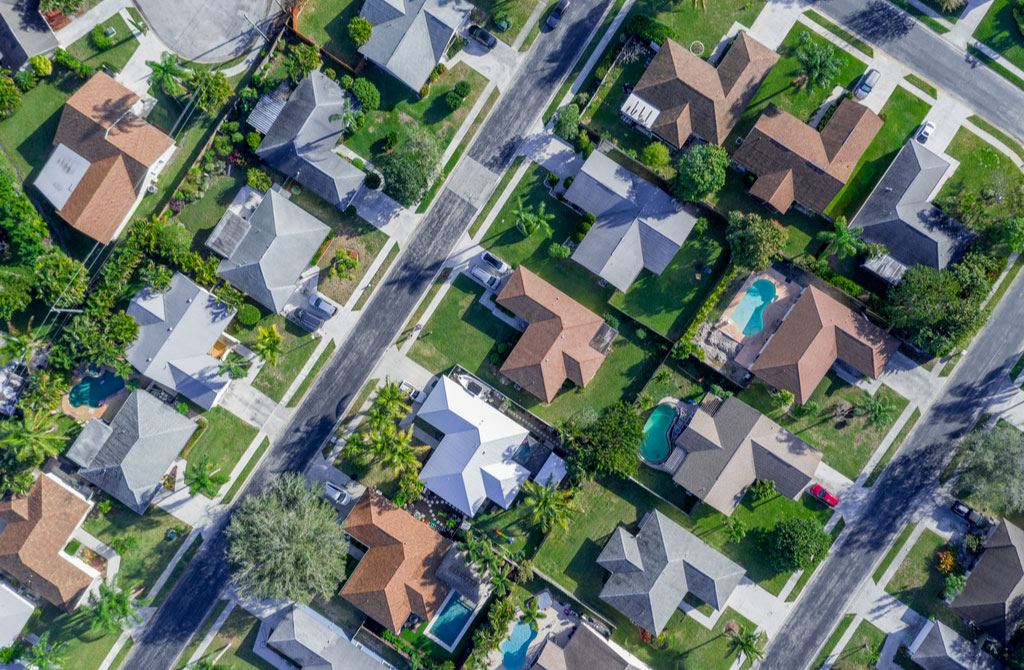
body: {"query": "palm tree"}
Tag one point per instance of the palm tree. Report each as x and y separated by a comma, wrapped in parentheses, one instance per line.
(819, 62)
(746, 643)
(35, 438)
(268, 344)
(880, 411)
(500, 582)
(531, 615)
(167, 73)
(19, 345)
(45, 388)
(234, 365)
(548, 505)
(156, 276)
(949, 6)
(393, 399)
(475, 548)
(529, 222)
(843, 240)
(112, 611)
(203, 476)
(42, 656)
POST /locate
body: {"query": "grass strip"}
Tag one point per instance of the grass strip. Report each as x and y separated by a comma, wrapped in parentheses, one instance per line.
(995, 65)
(201, 633)
(891, 555)
(921, 16)
(1011, 274)
(832, 641)
(923, 85)
(377, 278)
(1017, 368)
(806, 576)
(420, 309)
(179, 568)
(502, 185)
(891, 451)
(535, 30)
(858, 44)
(1011, 143)
(123, 653)
(311, 377)
(947, 369)
(246, 471)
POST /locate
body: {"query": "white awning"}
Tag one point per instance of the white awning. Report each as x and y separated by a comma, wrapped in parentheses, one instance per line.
(639, 111)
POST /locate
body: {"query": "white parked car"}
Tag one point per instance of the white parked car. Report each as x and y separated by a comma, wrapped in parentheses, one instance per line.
(484, 277)
(925, 133)
(336, 494)
(322, 305)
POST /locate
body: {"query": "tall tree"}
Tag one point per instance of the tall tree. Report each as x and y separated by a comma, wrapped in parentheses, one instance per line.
(234, 365)
(410, 169)
(44, 656)
(531, 616)
(819, 61)
(754, 240)
(204, 476)
(268, 344)
(610, 445)
(549, 506)
(34, 438)
(746, 642)
(392, 399)
(700, 173)
(992, 468)
(843, 240)
(61, 280)
(168, 74)
(797, 544)
(19, 345)
(210, 89)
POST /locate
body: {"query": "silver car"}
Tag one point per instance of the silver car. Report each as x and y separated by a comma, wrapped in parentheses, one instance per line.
(867, 82)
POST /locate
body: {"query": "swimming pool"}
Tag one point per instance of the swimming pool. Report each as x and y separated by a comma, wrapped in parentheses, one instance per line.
(656, 447)
(515, 647)
(451, 620)
(92, 391)
(749, 313)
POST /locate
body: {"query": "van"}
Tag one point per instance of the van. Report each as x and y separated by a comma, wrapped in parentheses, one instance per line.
(484, 277)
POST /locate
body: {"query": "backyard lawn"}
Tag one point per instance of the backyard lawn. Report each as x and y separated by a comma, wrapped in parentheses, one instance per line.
(296, 346)
(863, 649)
(116, 56)
(201, 216)
(86, 647)
(707, 25)
(515, 522)
(982, 170)
(236, 637)
(27, 134)
(999, 31)
(326, 23)
(602, 115)
(224, 440)
(847, 443)
(903, 113)
(688, 643)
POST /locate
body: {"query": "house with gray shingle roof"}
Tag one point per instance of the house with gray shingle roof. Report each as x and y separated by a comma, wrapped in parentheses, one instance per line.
(653, 570)
(128, 457)
(178, 329)
(585, 650)
(23, 33)
(311, 642)
(302, 137)
(993, 597)
(638, 225)
(267, 251)
(899, 214)
(939, 647)
(411, 36)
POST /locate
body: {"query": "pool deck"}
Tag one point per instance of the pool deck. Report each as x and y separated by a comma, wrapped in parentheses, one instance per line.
(555, 625)
(111, 404)
(786, 293)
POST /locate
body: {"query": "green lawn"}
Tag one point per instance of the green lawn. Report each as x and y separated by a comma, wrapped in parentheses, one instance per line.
(1010, 142)
(688, 643)
(925, 86)
(832, 641)
(246, 471)
(236, 637)
(516, 13)
(224, 441)
(296, 346)
(903, 113)
(982, 169)
(86, 648)
(999, 31)
(165, 112)
(847, 444)
(603, 117)
(27, 134)
(890, 556)
(778, 87)
(707, 25)
(861, 651)
(116, 56)
(326, 23)
(515, 522)
(201, 216)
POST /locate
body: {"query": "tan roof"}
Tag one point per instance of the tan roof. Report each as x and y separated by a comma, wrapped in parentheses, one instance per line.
(38, 526)
(557, 344)
(97, 124)
(817, 331)
(695, 97)
(397, 576)
(793, 161)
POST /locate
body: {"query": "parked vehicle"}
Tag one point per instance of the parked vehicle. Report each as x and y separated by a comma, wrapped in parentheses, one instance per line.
(482, 36)
(557, 13)
(867, 82)
(822, 494)
(964, 511)
(484, 277)
(336, 494)
(494, 261)
(321, 304)
(308, 320)
(925, 133)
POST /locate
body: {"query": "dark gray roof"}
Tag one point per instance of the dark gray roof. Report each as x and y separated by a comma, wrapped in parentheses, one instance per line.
(128, 458)
(638, 225)
(457, 572)
(675, 562)
(410, 36)
(899, 215)
(993, 598)
(273, 248)
(943, 649)
(302, 139)
(23, 32)
(313, 643)
(267, 109)
(586, 650)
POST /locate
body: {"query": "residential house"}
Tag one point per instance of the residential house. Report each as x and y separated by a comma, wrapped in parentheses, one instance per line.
(36, 528)
(179, 330)
(585, 650)
(411, 36)
(653, 570)
(268, 249)
(728, 445)
(564, 340)
(794, 163)
(311, 642)
(15, 612)
(638, 226)
(681, 94)
(938, 647)
(405, 567)
(128, 457)
(23, 33)
(899, 215)
(993, 598)
(103, 160)
(300, 136)
(818, 331)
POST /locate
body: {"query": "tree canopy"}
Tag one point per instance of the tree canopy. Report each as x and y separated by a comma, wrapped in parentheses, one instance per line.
(797, 544)
(410, 169)
(754, 240)
(992, 469)
(610, 445)
(701, 172)
(567, 122)
(818, 60)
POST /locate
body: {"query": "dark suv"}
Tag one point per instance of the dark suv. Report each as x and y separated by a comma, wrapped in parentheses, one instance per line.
(482, 36)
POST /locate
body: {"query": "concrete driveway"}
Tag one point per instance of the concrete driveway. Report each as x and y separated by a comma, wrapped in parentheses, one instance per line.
(206, 31)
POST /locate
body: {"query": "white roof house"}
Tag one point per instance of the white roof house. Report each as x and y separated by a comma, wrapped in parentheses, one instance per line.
(15, 611)
(473, 461)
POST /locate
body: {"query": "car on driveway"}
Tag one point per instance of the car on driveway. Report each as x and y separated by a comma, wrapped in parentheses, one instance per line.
(482, 36)
(925, 133)
(321, 304)
(336, 494)
(557, 13)
(822, 494)
(494, 261)
(484, 277)
(308, 320)
(964, 511)
(867, 82)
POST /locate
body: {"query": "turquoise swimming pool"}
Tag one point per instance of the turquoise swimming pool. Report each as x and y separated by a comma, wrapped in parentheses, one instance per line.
(92, 391)
(656, 447)
(749, 313)
(515, 647)
(451, 620)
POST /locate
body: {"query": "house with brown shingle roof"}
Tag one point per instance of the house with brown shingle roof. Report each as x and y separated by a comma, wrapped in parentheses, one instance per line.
(104, 158)
(818, 331)
(794, 163)
(564, 339)
(681, 94)
(35, 529)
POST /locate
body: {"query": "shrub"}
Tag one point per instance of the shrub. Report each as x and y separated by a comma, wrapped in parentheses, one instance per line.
(458, 44)
(222, 145)
(253, 139)
(589, 219)
(331, 74)
(249, 315)
(182, 407)
(360, 30)
(583, 146)
(567, 122)
(567, 182)
(358, 162)
(463, 88)
(581, 99)
(559, 251)
(391, 140)
(655, 155)
(577, 236)
(237, 137)
(552, 179)
(99, 38)
(1018, 15)
(351, 210)
(424, 90)
(258, 179)
(41, 64)
(453, 100)
(366, 93)
(25, 79)
(373, 181)
(346, 81)
(611, 320)
(648, 29)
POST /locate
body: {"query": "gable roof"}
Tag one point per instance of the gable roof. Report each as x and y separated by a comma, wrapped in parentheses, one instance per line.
(301, 141)
(397, 575)
(638, 225)
(410, 36)
(674, 562)
(942, 648)
(899, 214)
(729, 444)
(560, 341)
(314, 643)
(23, 32)
(177, 330)
(817, 331)
(35, 529)
(473, 460)
(692, 96)
(993, 598)
(585, 650)
(98, 127)
(794, 162)
(128, 458)
(267, 253)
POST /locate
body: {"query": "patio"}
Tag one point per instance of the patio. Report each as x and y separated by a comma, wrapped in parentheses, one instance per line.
(750, 345)
(557, 625)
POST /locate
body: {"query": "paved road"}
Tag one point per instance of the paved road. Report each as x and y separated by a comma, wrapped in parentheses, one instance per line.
(975, 382)
(938, 61)
(208, 31)
(548, 63)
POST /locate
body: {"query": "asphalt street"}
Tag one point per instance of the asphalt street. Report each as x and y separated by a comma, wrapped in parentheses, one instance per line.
(548, 62)
(975, 383)
(976, 85)
(208, 32)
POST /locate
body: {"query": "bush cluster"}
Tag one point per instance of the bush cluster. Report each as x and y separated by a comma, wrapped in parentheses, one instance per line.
(64, 58)
(646, 28)
(249, 315)
(366, 93)
(100, 39)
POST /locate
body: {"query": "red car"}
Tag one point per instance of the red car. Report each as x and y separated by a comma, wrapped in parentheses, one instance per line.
(822, 494)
